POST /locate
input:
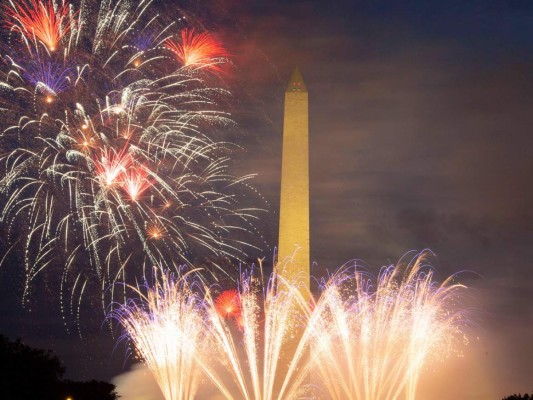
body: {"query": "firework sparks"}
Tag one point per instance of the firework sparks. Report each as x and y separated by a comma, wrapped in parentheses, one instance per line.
(41, 20)
(363, 341)
(167, 328)
(198, 328)
(48, 77)
(112, 166)
(197, 49)
(155, 231)
(372, 341)
(136, 182)
(268, 316)
(228, 305)
(108, 141)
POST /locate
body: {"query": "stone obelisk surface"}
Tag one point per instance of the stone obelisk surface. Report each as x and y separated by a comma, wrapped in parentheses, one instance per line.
(293, 244)
(293, 240)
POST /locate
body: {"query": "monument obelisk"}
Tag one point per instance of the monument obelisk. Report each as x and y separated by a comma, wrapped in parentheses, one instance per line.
(293, 241)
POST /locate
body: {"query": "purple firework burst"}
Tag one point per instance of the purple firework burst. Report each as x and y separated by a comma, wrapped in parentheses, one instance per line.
(48, 76)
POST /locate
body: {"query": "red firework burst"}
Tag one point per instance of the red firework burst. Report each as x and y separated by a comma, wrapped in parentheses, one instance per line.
(136, 181)
(228, 304)
(197, 49)
(112, 165)
(41, 20)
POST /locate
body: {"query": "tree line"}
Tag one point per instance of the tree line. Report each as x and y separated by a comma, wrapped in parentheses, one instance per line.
(27, 373)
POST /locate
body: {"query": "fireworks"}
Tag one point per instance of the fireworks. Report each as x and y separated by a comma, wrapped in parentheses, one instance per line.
(109, 155)
(48, 77)
(40, 20)
(372, 341)
(254, 355)
(156, 231)
(361, 340)
(109, 147)
(180, 332)
(136, 182)
(199, 50)
(112, 165)
(167, 329)
(228, 304)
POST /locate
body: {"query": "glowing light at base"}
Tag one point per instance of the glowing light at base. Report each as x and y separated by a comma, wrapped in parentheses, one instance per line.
(362, 340)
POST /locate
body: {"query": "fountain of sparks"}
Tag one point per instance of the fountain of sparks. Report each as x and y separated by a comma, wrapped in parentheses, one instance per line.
(360, 340)
(166, 327)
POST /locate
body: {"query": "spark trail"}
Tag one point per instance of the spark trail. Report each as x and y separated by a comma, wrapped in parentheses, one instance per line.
(110, 148)
(362, 340)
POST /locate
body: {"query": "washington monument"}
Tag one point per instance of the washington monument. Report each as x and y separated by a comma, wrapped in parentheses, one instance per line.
(293, 244)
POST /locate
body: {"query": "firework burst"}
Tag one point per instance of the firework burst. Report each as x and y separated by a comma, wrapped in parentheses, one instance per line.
(40, 20)
(112, 166)
(361, 340)
(371, 341)
(49, 78)
(228, 304)
(136, 182)
(180, 332)
(167, 328)
(257, 357)
(110, 150)
(200, 50)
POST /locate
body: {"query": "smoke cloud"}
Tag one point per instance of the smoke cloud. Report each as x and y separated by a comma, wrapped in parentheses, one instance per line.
(137, 384)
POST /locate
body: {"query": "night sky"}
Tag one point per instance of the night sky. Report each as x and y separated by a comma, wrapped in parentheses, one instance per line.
(421, 116)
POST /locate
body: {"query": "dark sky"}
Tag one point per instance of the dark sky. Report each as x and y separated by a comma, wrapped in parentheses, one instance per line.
(421, 137)
(420, 132)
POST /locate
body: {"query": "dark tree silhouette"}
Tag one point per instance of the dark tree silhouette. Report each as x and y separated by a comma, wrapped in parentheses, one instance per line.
(29, 374)
(519, 397)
